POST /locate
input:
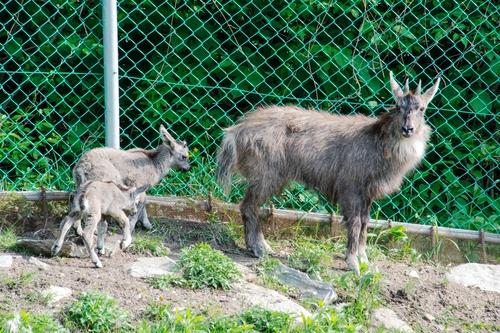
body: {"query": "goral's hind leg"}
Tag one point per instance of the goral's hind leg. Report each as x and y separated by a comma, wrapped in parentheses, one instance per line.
(102, 228)
(65, 226)
(256, 195)
(91, 222)
(353, 231)
(124, 222)
(363, 235)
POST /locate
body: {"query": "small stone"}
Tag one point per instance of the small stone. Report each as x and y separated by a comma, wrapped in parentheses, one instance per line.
(254, 295)
(149, 267)
(428, 317)
(387, 318)
(5, 261)
(308, 288)
(40, 264)
(56, 294)
(340, 307)
(413, 274)
(13, 324)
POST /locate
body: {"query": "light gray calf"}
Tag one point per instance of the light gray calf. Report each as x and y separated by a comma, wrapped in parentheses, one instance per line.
(94, 200)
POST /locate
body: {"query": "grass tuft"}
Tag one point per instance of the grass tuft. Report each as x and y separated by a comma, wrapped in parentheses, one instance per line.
(166, 281)
(15, 283)
(148, 245)
(8, 239)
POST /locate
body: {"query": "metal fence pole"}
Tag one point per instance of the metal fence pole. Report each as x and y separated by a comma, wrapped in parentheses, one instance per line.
(111, 103)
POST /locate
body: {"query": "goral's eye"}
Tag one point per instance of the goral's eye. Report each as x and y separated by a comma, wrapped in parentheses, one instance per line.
(422, 109)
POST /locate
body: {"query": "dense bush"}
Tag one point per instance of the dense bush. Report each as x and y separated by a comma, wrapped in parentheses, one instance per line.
(198, 66)
(201, 266)
(95, 312)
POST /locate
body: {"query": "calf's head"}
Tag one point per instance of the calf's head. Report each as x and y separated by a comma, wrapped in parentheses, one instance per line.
(178, 149)
(134, 197)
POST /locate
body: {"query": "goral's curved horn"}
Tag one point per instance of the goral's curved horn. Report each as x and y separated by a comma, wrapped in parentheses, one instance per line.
(407, 87)
(419, 88)
(396, 89)
(429, 94)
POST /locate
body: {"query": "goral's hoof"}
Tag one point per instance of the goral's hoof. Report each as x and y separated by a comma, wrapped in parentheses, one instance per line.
(261, 250)
(147, 225)
(124, 244)
(55, 250)
(352, 263)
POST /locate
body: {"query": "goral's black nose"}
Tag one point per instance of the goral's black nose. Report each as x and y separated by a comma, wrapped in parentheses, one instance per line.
(407, 130)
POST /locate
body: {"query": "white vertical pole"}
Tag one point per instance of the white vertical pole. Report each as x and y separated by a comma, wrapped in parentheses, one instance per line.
(111, 103)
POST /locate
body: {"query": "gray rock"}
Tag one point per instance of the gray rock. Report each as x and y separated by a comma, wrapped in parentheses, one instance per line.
(307, 287)
(44, 247)
(485, 277)
(111, 245)
(5, 261)
(38, 263)
(13, 324)
(253, 295)
(149, 267)
(55, 294)
(413, 274)
(386, 318)
(428, 317)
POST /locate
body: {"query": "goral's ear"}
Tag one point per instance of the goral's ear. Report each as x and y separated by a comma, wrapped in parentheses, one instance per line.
(397, 93)
(166, 137)
(429, 94)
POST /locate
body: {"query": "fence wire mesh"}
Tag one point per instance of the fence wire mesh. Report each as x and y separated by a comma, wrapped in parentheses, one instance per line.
(197, 66)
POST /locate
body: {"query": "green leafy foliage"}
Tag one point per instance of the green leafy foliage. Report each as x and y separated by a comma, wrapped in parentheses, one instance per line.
(267, 321)
(394, 243)
(311, 255)
(29, 322)
(361, 292)
(95, 312)
(202, 266)
(199, 66)
(162, 318)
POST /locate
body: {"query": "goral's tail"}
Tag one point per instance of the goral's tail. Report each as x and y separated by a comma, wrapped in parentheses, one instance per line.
(226, 160)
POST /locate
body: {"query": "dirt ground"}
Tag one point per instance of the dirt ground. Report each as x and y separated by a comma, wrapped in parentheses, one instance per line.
(429, 303)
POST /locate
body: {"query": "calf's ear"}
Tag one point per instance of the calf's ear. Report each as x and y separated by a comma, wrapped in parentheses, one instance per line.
(166, 137)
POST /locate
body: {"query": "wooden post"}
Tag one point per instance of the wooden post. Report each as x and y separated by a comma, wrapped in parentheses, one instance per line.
(209, 203)
(484, 258)
(434, 238)
(45, 210)
(271, 220)
(334, 226)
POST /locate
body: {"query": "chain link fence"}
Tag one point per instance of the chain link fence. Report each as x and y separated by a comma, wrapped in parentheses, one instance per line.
(197, 66)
